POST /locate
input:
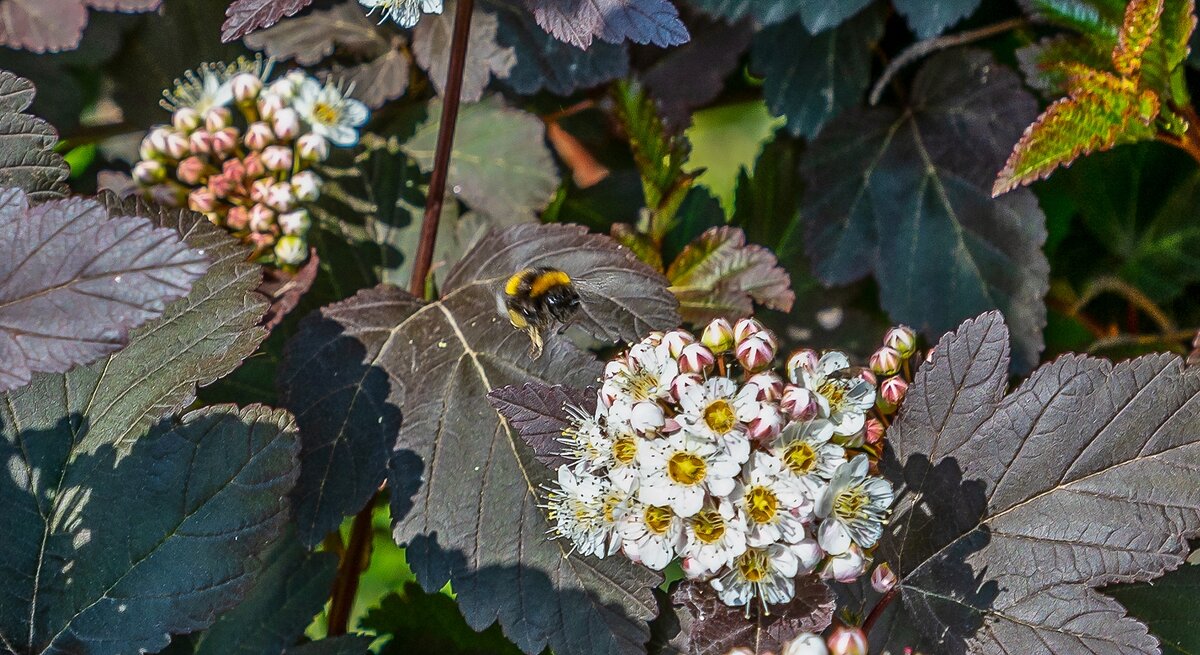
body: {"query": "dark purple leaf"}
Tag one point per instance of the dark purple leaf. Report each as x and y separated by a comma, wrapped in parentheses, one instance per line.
(27, 157)
(641, 21)
(693, 75)
(74, 282)
(538, 413)
(1013, 509)
(710, 627)
(719, 274)
(245, 16)
(285, 289)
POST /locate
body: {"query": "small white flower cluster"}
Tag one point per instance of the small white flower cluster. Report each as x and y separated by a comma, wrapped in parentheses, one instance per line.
(240, 151)
(698, 450)
(406, 13)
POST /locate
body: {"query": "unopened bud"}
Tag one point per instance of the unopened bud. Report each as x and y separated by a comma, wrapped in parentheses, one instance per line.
(306, 185)
(313, 147)
(847, 641)
(902, 339)
(246, 87)
(868, 376)
(885, 361)
(157, 138)
(766, 425)
(261, 219)
(149, 172)
(874, 431)
(744, 327)
(277, 158)
(279, 197)
(694, 570)
(291, 250)
(286, 123)
(261, 240)
(845, 567)
(802, 360)
(799, 403)
(202, 200)
(675, 340)
(883, 578)
(176, 146)
(770, 385)
(295, 222)
(696, 358)
(755, 353)
(224, 141)
(217, 119)
(237, 219)
(269, 104)
(806, 643)
(893, 390)
(683, 382)
(258, 136)
(191, 170)
(252, 166)
(185, 119)
(718, 336)
(221, 185)
(646, 416)
(200, 142)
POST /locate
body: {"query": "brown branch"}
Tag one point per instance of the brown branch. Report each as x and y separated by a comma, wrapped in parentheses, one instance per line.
(877, 611)
(354, 562)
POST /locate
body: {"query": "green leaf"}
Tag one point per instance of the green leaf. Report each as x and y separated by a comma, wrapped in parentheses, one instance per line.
(1167, 606)
(818, 15)
(928, 18)
(1099, 20)
(904, 195)
(659, 155)
(418, 622)
(464, 488)
(27, 157)
(1041, 62)
(720, 275)
(292, 587)
(485, 57)
(110, 549)
(1142, 19)
(500, 165)
(811, 79)
(767, 201)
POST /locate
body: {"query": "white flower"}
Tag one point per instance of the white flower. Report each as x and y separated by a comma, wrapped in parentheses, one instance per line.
(209, 86)
(845, 567)
(329, 112)
(715, 535)
(766, 573)
(806, 643)
(843, 399)
(646, 375)
(853, 507)
(678, 470)
(586, 509)
(804, 449)
(404, 12)
(718, 411)
(774, 504)
(651, 534)
(622, 459)
(585, 439)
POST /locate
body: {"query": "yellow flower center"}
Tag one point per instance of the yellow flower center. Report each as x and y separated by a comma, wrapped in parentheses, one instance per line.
(610, 506)
(641, 385)
(761, 504)
(708, 526)
(686, 469)
(719, 416)
(624, 450)
(325, 113)
(658, 519)
(850, 502)
(753, 564)
(800, 457)
(835, 392)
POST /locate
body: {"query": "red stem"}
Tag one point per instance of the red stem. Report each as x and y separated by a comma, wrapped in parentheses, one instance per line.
(877, 611)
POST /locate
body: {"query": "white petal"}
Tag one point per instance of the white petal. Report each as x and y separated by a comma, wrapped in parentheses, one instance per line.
(833, 537)
(688, 501)
(832, 362)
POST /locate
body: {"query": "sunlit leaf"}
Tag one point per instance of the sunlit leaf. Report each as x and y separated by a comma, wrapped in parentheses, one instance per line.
(245, 16)
(714, 628)
(54, 25)
(27, 158)
(720, 275)
(905, 195)
(485, 57)
(1013, 508)
(538, 414)
(578, 22)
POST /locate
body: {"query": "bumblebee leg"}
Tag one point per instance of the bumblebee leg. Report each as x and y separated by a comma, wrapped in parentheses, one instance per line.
(535, 342)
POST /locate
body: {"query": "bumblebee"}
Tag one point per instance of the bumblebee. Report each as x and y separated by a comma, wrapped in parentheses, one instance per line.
(536, 299)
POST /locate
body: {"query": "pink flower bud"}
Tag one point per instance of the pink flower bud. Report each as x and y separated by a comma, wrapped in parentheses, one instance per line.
(847, 641)
(683, 382)
(253, 166)
(259, 189)
(694, 570)
(191, 170)
(261, 219)
(277, 158)
(874, 431)
(177, 146)
(770, 385)
(286, 123)
(149, 172)
(755, 353)
(237, 219)
(902, 339)
(200, 142)
(646, 416)
(799, 403)
(258, 136)
(867, 375)
(696, 358)
(744, 327)
(279, 197)
(307, 186)
(157, 139)
(269, 104)
(313, 147)
(295, 222)
(291, 250)
(185, 119)
(885, 361)
(805, 643)
(675, 340)
(766, 425)
(246, 87)
(234, 169)
(802, 360)
(224, 141)
(217, 119)
(893, 390)
(261, 240)
(202, 200)
(221, 185)
(883, 578)
(718, 336)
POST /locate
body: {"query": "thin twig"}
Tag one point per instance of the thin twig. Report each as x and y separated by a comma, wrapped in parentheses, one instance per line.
(357, 554)
(1131, 294)
(928, 46)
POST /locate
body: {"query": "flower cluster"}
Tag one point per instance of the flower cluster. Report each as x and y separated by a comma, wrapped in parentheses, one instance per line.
(240, 151)
(406, 13)
(698, 450)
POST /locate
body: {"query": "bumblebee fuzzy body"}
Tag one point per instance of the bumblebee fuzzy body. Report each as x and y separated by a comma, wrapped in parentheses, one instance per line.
(537, 298)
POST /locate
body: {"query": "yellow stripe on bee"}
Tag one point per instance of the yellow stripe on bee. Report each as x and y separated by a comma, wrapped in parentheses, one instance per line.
(547, 281)
(514, 283)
